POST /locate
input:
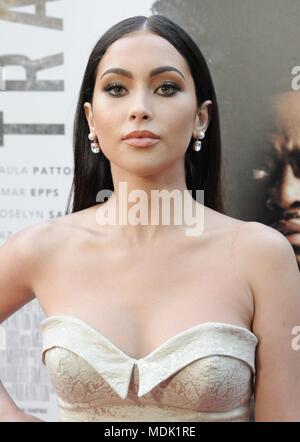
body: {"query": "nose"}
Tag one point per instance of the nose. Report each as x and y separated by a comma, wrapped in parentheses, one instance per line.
(140, 110)
(288, 192)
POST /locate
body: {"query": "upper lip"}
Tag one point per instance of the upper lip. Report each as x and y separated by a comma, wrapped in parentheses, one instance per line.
(140, 134)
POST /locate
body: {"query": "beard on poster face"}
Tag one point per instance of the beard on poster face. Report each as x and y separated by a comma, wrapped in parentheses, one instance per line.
(291, 230)
(289, 226)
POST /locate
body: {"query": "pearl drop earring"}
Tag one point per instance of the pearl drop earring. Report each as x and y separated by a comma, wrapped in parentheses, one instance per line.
(95, 148)
(197, 144)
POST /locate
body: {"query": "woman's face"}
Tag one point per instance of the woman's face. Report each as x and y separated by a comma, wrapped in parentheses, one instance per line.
(164, 103)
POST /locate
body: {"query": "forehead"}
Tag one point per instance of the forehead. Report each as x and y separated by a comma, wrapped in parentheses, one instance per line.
(142, 50)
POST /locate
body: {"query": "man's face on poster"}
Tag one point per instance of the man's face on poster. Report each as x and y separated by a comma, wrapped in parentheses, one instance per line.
(284, 200)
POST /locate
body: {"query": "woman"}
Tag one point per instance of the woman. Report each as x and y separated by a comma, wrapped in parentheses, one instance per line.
(144, 321)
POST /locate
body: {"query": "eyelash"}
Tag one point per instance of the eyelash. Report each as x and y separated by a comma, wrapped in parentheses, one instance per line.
(111, 86)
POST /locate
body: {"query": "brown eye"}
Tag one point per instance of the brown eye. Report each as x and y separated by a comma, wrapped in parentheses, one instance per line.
(113, 86)
(170, 86)
(165, 86)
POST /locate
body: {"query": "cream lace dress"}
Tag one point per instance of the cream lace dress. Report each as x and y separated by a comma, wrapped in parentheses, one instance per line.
(204, 373)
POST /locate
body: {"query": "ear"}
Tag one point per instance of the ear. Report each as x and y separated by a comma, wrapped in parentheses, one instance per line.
(89, 115)
(203, 117)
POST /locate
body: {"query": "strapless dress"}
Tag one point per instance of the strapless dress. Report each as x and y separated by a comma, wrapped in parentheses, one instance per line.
(204, 373)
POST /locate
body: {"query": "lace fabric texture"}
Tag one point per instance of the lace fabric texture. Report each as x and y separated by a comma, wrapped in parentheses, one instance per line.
(204, 373)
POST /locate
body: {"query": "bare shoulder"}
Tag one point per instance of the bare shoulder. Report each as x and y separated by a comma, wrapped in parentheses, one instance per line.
(37, 239)
(263, 232)
(266, 255)
(262, 252)
(28, 238)
(220, 222)
(45, 238)
(261, 240)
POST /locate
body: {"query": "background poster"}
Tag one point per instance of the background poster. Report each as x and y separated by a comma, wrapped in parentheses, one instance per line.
(252, 51)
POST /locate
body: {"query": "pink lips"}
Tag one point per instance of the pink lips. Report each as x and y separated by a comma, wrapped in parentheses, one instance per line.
(141, 138)
(141, 142)
(140, 134)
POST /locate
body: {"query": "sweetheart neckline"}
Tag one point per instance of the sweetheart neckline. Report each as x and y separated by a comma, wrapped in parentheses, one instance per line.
(159, 347)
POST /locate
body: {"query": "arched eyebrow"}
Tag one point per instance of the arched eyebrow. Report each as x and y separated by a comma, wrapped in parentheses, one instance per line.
(153, 72)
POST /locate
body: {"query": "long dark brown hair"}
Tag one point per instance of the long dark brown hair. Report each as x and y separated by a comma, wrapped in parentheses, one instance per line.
(92, 173)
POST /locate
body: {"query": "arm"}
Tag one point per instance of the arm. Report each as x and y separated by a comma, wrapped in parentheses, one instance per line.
(7, 405)
(17, 262)
(272, 272)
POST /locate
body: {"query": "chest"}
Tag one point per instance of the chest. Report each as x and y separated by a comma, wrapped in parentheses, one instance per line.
(139, 298)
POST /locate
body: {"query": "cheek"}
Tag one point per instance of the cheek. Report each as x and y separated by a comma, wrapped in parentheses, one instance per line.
(180, 111)
(107, 118)
(179, 122)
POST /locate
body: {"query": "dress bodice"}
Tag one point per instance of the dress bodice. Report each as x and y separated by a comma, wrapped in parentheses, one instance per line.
(204, 373)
